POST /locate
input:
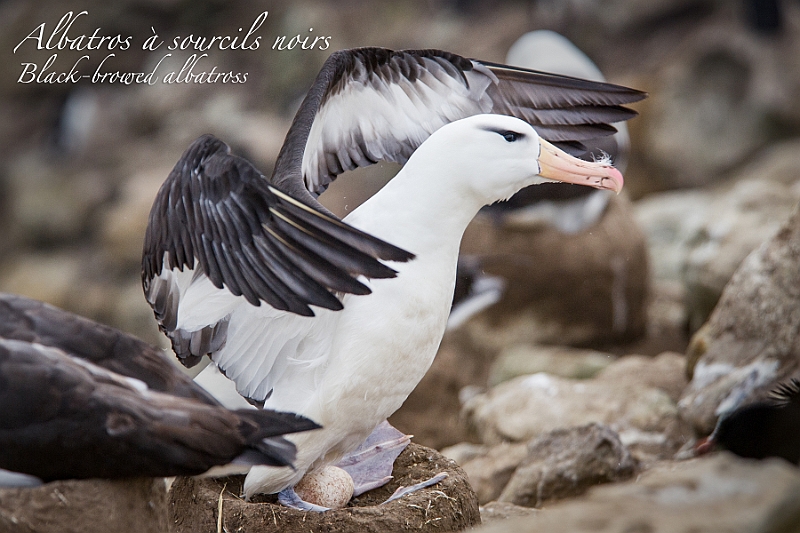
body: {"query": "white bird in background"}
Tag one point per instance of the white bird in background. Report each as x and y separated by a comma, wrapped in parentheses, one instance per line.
(222, 239)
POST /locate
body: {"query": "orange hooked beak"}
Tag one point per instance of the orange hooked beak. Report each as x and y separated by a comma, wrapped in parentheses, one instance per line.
(556, 164)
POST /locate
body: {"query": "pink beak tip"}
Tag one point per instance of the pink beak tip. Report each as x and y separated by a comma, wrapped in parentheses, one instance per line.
(616, 176)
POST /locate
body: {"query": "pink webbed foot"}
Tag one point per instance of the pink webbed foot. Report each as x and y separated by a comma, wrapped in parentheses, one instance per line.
(371, 464)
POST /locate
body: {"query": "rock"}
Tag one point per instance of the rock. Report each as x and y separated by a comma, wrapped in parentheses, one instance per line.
(450, 505)
(52, 202)
(777, 164)
(710, 495)
(750, 341)
(670, 221)
(739, 220)
(700, 237)
(526, 407)
(464, 451)
(721, 95)
(498, 511)
(579, 290)
(666, 371)
(706, 111)
(557, 464)
(561, 361)
(489, 472)
(86, 506)
(566, 463)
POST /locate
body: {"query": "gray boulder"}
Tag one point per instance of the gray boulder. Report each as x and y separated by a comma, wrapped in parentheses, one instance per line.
(721, 494)
(699, 238)
(528, 406)
(565, 463)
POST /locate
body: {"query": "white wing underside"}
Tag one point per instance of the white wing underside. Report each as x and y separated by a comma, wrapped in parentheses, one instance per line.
(362, 114)
(265, 349)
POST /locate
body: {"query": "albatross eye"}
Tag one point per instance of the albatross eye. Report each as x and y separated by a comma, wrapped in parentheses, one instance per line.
(511, 136)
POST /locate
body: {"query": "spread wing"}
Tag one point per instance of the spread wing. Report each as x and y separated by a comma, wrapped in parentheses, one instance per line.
(371, 104)
(217, 215)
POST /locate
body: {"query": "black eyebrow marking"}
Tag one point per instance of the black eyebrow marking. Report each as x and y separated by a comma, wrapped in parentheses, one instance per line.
(503, 132)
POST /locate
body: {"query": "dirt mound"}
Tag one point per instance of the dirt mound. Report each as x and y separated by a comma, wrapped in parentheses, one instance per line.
(85, 506)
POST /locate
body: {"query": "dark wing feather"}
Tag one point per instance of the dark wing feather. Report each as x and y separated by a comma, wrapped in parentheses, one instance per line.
(370, 104)
(561, 108)
(29, 320)
(218, 215)
(63, 418)
(787, 393)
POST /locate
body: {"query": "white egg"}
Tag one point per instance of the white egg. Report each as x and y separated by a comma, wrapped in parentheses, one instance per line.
(330, 486)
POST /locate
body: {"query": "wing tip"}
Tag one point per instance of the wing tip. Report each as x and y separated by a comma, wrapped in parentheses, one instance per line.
(629, 94)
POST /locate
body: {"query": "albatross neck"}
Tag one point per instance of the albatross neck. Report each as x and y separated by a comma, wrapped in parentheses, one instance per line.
(422, 207)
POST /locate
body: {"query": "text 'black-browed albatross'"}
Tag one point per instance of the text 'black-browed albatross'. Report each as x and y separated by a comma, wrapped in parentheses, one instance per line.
(223, 239)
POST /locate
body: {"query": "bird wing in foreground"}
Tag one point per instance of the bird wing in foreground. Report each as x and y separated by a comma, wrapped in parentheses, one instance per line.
(64, 417)
(33, 321)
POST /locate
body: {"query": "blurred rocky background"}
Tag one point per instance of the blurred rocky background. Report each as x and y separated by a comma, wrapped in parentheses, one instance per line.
(577, 379)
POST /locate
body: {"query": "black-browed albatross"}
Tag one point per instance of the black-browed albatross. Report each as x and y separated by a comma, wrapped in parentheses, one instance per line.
(222, 239)
(84, 400)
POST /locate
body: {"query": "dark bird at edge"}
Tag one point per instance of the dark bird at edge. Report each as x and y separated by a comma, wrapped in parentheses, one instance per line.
(83, 400)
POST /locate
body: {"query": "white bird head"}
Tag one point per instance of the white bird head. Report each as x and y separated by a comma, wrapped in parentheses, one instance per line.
(494, 156)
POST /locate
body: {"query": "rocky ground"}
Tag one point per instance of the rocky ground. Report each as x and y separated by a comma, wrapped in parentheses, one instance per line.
(573, 404)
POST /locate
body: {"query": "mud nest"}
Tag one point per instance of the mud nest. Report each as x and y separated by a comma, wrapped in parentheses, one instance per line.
(450, 505)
